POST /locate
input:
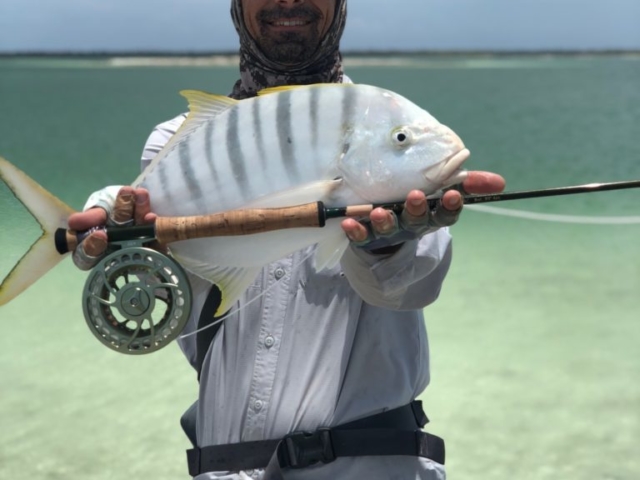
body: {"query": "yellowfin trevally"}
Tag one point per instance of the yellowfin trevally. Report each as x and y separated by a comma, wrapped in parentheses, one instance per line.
(342, 144)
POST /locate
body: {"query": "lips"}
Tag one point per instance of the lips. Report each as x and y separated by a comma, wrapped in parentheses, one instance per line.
(444, 172)
(288, 23)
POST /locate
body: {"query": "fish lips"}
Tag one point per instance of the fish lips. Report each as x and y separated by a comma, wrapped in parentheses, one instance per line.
(447, 172)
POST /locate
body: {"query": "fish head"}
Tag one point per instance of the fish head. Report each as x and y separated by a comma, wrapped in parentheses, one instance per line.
(395, 147)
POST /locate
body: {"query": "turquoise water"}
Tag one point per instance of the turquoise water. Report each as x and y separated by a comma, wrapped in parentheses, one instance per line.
(535, 363)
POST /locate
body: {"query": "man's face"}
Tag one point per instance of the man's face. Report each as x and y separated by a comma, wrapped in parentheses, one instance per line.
(288, 31)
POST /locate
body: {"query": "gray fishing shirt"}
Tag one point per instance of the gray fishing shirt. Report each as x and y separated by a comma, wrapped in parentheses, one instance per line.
(313, 349)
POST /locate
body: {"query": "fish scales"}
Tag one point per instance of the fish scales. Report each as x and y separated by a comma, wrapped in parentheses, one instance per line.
(340, 144)
(234, 149)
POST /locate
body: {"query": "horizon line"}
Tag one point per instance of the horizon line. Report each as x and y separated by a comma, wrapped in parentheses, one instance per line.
(360, 52)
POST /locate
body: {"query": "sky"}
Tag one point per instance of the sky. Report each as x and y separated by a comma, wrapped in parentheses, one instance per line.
(205, 25)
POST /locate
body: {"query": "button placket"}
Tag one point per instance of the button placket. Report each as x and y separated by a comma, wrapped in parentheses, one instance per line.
(266, 359)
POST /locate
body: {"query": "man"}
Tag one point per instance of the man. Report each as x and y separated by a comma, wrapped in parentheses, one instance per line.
(345, 348)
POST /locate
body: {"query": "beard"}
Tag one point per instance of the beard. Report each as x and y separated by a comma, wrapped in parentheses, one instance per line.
(289, 48)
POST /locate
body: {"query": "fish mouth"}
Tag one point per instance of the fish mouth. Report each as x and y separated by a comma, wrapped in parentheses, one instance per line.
(447, 172)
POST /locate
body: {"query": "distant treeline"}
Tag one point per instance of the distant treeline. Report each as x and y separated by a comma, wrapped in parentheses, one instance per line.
(351, 53)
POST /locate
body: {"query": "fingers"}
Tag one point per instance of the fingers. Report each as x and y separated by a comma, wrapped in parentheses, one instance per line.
(478, 182)
(85, 220)
(355, 231)
(452, 200)
(124, 208)
(416, 203)
(383, 223)
(131, 206)
(89, 252)
(142, 206)
(416, 216)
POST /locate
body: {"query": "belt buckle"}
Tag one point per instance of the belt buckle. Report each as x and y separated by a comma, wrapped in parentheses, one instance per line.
(302, 449)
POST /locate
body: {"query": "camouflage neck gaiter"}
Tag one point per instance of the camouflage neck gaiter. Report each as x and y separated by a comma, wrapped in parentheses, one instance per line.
(258, 72)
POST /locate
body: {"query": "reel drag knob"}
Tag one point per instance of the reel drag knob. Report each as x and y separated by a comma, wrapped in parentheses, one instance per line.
(136, 300)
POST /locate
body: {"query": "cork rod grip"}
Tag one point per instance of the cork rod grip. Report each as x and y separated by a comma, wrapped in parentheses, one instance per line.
(239, 222)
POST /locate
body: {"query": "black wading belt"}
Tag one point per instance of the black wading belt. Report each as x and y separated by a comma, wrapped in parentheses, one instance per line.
(394, 432)
(204, 339)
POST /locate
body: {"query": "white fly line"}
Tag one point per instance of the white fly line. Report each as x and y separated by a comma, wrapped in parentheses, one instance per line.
(551, 217)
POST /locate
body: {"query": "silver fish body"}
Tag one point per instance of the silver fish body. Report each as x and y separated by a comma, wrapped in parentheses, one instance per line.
(339, 143)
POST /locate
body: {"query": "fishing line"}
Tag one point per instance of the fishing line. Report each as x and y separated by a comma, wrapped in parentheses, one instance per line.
(550, 217)
(231, 312)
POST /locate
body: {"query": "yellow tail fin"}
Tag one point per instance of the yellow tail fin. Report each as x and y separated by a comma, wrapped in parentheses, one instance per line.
(50, 213)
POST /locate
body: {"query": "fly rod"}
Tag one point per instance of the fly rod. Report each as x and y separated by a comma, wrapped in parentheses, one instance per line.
(136, 300)
(315, 214)
(550, 192)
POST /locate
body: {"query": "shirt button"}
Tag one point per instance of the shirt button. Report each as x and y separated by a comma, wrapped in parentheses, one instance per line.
(257, 405)
(269, 341)
(279, 273)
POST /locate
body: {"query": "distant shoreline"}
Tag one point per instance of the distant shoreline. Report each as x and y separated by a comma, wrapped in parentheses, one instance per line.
(414, 59)
(232, 55)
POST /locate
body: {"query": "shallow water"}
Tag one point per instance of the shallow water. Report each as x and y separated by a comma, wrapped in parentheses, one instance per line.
(534, 337)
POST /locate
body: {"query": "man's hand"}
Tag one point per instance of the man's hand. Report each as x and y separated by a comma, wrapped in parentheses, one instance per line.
(132, 205)
(385, 223)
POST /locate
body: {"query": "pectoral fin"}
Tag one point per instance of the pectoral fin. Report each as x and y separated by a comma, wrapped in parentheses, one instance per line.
(231, 281)
(306, 193)
(331, 249)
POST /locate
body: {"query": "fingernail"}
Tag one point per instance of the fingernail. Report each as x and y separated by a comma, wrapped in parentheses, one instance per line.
(454, 203)
(384, 227)
(416, 202)
(380, 223)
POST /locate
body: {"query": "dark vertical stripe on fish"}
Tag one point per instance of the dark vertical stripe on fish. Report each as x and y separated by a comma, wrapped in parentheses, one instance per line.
(234, 151)
(285, 140)
(348, 107)
(349, 101)
(257, 126)
(208, 150)
(188, 173)
(313, 113)
(164, 180)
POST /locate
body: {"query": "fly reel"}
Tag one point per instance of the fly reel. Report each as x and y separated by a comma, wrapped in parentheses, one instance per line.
(136, 300)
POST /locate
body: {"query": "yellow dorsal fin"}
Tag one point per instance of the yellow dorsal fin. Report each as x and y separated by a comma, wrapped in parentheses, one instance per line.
(206, 104)
(203, 106)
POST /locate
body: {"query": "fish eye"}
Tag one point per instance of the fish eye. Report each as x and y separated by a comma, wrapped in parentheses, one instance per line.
(401, 137)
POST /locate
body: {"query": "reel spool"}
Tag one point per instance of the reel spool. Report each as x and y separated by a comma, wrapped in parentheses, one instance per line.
(136, 300)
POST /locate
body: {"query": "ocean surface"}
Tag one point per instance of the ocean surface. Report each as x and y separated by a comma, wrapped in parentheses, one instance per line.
(534, 339)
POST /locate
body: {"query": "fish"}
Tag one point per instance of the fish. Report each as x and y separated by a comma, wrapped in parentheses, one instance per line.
(341, 144)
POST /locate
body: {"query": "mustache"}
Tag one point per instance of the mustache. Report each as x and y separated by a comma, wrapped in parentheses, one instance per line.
(304, 12)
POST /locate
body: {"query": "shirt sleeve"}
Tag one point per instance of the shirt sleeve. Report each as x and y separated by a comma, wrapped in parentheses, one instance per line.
(199, 287)
(409, 279)
(159, 138)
